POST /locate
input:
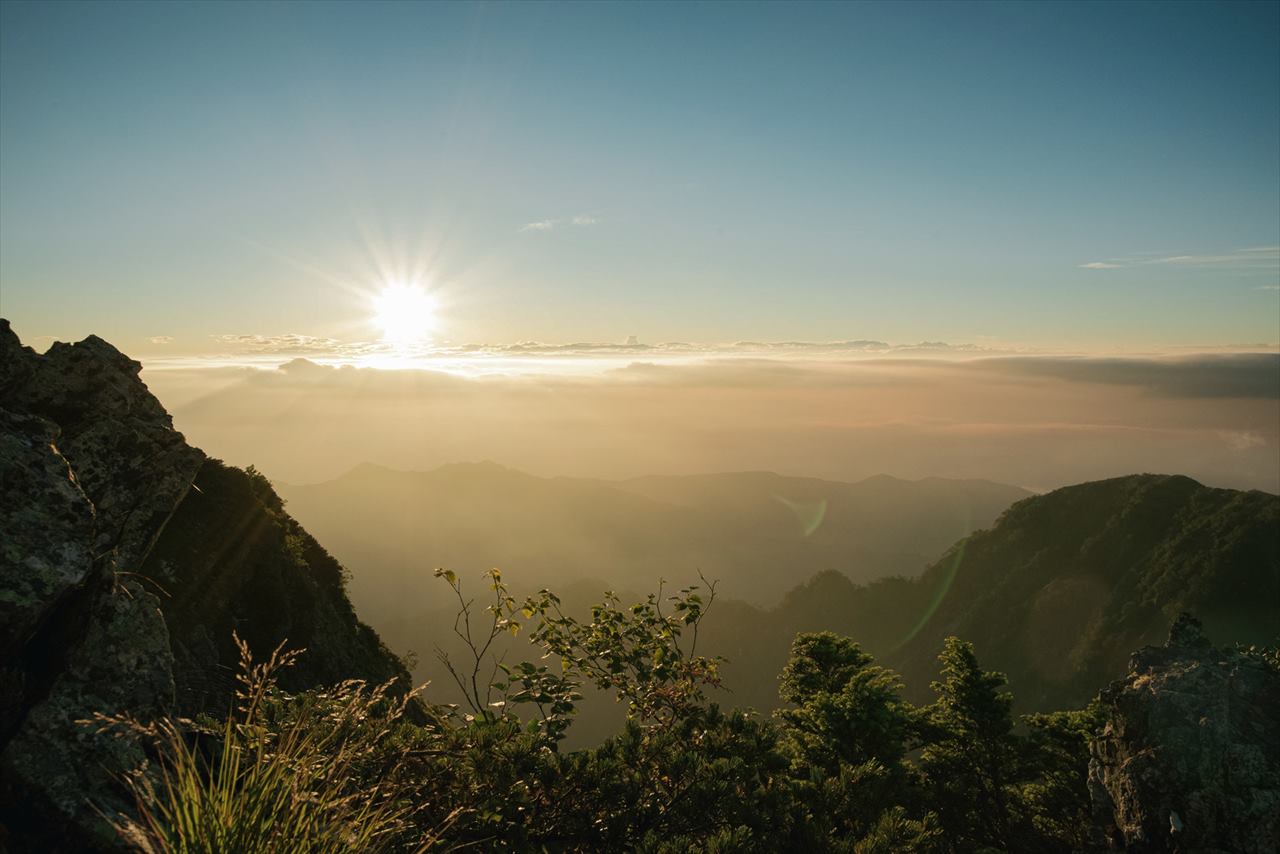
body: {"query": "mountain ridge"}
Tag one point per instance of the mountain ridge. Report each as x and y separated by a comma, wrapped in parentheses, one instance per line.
(1056, 593)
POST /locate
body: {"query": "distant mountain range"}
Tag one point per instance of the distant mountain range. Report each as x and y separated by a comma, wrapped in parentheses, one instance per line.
(759, 534)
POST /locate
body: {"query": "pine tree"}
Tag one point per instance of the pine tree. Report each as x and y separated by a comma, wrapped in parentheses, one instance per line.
(970, 760)
(847, 709)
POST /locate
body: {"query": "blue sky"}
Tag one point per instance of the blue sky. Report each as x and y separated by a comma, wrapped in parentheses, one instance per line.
(587, 172)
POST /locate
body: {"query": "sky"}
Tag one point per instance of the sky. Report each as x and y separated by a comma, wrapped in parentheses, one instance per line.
(1037, 242)
(1087, 177)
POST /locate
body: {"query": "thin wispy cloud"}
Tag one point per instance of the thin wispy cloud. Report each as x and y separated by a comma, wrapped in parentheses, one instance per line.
(1260, 257)
(1210, 259)
(161, 339)
(549, 224)
(712, 349)
(1242, 440)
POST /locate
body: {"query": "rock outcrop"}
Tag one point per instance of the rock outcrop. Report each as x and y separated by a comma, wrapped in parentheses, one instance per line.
(1189, 757)
(120, 585)
(61, 770)
(120, 442)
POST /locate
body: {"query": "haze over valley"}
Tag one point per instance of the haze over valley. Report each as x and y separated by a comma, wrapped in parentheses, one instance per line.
(758, 534)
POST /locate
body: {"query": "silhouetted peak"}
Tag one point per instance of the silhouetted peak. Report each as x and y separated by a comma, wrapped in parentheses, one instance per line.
(881, 479)
(370, 470)
(829, 585)
(303, 367)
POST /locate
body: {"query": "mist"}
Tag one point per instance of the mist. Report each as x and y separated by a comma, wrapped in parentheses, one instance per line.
(1031, 421)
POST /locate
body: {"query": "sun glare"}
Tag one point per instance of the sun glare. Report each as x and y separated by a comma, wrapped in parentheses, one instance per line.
(406, 314)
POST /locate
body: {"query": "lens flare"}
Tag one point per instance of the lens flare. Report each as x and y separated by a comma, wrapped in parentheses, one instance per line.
(808, 513)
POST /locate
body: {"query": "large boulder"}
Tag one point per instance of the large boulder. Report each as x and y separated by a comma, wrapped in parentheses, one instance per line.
(1189, 757)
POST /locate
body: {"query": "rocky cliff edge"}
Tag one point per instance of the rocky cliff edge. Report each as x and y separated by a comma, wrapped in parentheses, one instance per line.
(127, 558)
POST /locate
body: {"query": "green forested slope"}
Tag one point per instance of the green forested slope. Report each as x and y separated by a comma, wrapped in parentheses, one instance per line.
(1057, 593)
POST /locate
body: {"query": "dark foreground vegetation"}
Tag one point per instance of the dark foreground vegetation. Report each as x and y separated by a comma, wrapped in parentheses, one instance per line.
(846, 765)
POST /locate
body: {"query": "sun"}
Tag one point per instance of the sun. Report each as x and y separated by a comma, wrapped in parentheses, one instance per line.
(406, 314)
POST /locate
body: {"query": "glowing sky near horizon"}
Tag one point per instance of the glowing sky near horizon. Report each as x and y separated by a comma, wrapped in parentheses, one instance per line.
(193, 180)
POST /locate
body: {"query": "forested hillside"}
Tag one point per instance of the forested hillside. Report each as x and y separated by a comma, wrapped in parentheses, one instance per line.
(1056, 594)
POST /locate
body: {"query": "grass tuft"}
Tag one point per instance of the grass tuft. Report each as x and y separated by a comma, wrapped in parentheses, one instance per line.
(281, 773)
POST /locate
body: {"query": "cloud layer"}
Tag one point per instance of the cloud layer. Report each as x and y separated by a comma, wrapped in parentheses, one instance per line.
(1037, 422)
(1239, 375)
(439, 354)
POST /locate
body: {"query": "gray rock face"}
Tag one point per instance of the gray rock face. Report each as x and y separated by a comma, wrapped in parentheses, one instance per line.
(48, 524)
(118, 439)
(90, 471)
(1189, 759)
(69, 767)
